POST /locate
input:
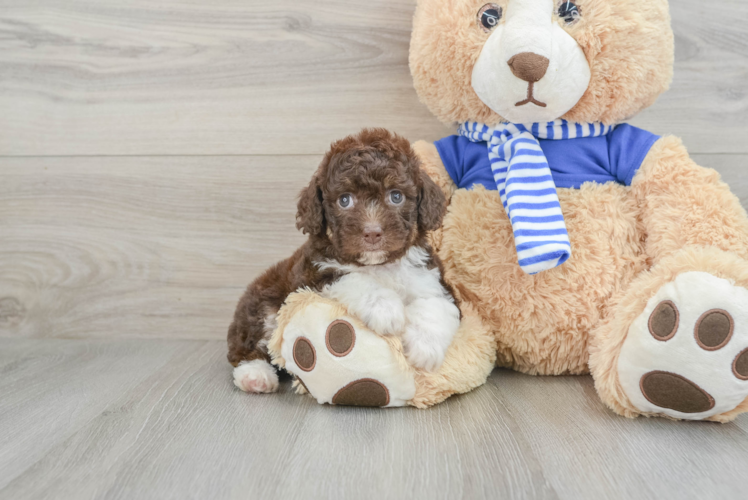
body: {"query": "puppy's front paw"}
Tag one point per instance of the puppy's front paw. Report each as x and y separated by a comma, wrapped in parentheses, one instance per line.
(384, 312)
(432, 324)
(421, 353)
(256, 376)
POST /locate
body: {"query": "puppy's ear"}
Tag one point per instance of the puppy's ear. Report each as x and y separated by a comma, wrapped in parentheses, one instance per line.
(431, 204)
(310, 217)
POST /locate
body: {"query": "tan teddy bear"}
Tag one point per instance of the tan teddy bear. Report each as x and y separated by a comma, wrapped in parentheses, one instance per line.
(576, 243)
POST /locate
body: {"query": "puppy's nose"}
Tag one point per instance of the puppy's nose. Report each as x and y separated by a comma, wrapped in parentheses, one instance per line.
(528, 66)
(372, 233)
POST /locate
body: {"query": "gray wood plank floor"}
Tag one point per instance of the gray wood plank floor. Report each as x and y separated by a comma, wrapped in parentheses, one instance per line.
(150, 154)
(159, 419)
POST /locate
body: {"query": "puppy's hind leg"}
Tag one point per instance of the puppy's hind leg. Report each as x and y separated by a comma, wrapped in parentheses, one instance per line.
(257, 376)
(248, 353)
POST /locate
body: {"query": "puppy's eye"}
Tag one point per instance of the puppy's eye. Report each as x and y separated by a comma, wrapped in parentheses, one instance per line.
(569, 12)
(396, 197)
(345, 200)
(489, 16)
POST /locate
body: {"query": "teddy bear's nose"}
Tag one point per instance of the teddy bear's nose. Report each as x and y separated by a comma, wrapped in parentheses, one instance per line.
(528, 66)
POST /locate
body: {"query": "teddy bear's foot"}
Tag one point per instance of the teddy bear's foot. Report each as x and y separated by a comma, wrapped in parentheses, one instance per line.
(686, 355)
(338, 360)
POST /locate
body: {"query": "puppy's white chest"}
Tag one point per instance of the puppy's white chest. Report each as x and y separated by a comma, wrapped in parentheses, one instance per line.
(393, 278)
(408, 277)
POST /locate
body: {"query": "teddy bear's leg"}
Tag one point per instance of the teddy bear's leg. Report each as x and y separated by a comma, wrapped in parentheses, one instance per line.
(337, 359)
(675, 340)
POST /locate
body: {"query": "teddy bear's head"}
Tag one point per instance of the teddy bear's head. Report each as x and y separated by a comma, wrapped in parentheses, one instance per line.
(527, 61)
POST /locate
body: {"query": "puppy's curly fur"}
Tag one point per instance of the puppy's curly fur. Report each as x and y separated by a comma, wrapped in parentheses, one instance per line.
(367, 168)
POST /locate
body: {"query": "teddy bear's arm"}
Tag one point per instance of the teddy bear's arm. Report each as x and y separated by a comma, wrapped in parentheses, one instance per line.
(684, 204)
(432, 164)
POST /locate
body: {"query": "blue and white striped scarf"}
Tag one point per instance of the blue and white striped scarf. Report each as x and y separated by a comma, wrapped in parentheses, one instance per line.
(526, 185)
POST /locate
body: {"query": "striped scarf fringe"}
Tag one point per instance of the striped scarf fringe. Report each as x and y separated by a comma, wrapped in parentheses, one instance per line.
(526, 185)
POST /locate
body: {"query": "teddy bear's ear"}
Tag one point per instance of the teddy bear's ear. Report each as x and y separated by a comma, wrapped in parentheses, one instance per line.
(310, 215)
(431, 204)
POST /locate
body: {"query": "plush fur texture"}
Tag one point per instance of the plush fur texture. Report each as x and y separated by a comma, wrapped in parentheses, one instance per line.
(542, 322)
(627, 75)
(628, 242)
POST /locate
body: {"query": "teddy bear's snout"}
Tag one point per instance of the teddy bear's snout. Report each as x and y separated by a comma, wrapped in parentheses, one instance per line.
(528, 66)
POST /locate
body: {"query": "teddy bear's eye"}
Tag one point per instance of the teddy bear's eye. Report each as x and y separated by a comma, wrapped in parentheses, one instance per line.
(489, 16)
(569, 12)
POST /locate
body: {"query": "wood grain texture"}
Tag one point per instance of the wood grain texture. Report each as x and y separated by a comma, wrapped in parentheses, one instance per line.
(225, 77)
(106, 77)
(157, 247)
(136, 419)
(709, 89)
(147, 247)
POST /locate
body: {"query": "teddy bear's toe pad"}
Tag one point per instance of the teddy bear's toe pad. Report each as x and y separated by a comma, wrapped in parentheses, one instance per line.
(304, 355)
(740, 366)
(663, 323)
(686, 355)
(714, 329)
(340, 338)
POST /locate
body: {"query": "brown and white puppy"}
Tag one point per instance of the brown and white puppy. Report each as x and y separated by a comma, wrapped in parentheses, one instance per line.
(367, 211)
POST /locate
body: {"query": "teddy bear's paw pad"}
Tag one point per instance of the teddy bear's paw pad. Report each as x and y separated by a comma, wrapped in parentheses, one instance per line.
(364, 392)
(338, 360)
(686, 355)
(304, 355)
(714, 329)
(340, 338)
(740, 365)
(669, 390)
(663, 323)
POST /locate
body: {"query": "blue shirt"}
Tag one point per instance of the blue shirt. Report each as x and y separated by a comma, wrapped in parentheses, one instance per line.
(615, 157)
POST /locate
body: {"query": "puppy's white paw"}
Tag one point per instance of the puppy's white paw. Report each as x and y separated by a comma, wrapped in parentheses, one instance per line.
(422, 353)
(432, 324)
(256, 376)
(384, 312)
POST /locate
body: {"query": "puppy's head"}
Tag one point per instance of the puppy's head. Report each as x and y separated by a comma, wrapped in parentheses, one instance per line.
(370, 200)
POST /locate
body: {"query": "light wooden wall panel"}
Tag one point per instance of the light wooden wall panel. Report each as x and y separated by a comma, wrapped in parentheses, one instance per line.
(131, 246)
(111, 77)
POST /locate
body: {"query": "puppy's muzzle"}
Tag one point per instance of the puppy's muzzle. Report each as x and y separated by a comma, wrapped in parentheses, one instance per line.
(373, 234)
